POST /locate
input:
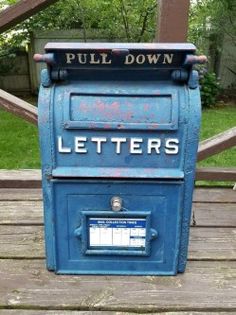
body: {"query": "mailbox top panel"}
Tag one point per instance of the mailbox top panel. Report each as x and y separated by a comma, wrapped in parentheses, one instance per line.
(110, 46)
(118, 55)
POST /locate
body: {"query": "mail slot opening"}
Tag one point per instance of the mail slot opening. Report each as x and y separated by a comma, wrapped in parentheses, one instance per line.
(129, 110)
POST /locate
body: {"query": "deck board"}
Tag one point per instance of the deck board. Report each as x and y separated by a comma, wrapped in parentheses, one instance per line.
(47, 312)
(205, 243)
(31, 212)
(207, 286)
(204, 286)
(202, 195)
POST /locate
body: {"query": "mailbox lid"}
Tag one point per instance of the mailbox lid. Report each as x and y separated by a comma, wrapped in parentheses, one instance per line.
(121, 105)
(140, 114)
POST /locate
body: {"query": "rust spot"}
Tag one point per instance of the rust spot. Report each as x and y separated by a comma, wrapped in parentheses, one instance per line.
(100, 105)
(107, 126)
(83, 107)
(153, 126)
(129, 115)
(115, 106)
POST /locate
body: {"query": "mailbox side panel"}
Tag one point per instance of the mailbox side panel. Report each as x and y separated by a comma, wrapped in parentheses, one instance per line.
(193, 118)
(45, 139)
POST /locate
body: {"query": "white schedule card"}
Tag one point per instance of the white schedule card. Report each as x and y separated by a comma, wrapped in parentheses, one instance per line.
(117, 232)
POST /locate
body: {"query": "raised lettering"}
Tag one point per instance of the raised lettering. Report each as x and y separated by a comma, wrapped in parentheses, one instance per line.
(153, 144)
(80, 145)
(118, 142)
(93, 61)
(82, 58)
(140, 59)
(171, 146)
(129, 59)
(62, 149)
(99, 142)
(153, 58)
(69, 57)
(168, 58)
(105, 61)
(135, 145)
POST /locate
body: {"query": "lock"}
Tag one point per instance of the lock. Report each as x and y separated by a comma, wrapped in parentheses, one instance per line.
(116, 203)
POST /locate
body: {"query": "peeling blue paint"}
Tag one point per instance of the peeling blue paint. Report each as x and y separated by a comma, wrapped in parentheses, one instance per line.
(111, 128)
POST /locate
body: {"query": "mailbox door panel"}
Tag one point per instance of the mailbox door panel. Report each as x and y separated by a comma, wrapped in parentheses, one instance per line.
(142, 238)
(102, 127)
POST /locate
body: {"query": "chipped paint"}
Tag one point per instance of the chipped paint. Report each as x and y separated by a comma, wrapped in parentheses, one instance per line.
(131, 134)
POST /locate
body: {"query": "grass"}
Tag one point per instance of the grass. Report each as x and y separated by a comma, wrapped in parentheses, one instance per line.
(215, 121)
(18, 143)
(19, 139)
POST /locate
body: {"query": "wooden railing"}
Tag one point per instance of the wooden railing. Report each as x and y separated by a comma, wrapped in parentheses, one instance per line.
(18, 107)
(212, 146)
(172, 27)
(21, 11)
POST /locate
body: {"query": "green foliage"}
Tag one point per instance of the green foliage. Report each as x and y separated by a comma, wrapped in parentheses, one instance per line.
(118, 20)
(210, 19)
(210, 22)
(210, 89)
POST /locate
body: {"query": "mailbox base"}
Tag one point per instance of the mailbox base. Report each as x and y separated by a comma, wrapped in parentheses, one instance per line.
(142, 238)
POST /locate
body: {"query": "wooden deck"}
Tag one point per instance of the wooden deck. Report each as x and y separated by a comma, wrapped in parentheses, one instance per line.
(207, 286)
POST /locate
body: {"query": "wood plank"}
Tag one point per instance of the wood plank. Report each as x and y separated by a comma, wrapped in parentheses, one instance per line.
(21, 242)
(208, 194)
(214, 214)
(205, 243)
(222, 195)
(29, 178)
(45, 312)
(217, 144)
(21, 11)
(177, 13)
(21, 212)
(207, 286)
(18, 107)
(216, 173)
(31, 212)
(212, 244)
(56, 312)
(18, 194)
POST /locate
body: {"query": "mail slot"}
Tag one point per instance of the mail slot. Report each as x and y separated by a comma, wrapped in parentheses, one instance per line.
(118, 127)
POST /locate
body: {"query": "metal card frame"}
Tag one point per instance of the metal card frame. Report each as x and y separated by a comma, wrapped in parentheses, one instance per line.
(86, 250)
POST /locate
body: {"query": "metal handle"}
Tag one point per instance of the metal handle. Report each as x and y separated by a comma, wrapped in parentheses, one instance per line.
(192, 59)
(48, 58)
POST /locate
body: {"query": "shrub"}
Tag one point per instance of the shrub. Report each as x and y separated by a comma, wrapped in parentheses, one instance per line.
(209, 87)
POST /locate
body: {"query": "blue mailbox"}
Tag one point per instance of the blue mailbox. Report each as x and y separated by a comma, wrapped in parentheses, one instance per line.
(118, 127)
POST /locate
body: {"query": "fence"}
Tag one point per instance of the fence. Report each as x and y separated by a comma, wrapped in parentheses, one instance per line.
(15, 74)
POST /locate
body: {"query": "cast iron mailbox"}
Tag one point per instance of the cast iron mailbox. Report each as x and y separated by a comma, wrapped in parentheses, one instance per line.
(118, 128)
